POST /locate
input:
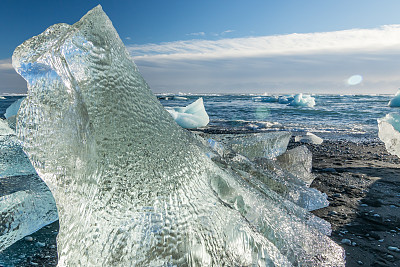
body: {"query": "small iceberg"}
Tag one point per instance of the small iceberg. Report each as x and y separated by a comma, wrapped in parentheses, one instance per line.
(389, 132)
(191, 116)
(301, 100)
(395, 101)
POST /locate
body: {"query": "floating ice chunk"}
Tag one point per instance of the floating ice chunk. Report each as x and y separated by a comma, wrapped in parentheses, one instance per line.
(395, 101)
(389, 132)
(191, 116)
(301, 100)
(285, 99)
(177, 97)
(298, 161)
(132, 187)
(267, 99)
(309, 138)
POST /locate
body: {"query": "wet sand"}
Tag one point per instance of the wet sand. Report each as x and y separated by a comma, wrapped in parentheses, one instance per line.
(362, 182)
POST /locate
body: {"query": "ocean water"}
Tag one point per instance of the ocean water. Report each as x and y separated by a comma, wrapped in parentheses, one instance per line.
(333, 116)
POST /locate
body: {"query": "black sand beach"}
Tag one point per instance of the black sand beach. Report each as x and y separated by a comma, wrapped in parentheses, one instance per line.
(362, 182)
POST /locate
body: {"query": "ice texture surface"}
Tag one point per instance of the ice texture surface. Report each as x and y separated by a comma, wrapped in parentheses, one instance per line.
(131, 186)
(389, 132)
(301, 100)
(395, 101)
(26, 203)
(267, 145)
(191, 116)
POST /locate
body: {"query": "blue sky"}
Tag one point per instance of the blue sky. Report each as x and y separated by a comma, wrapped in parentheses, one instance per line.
(233, 46)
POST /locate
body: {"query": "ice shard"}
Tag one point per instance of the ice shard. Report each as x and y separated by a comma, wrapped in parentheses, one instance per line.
(131, 186)
(389, 132)
(12, 111)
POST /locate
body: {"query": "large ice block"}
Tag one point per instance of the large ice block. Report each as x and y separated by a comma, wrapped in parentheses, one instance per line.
(389, 132)
(131, 186)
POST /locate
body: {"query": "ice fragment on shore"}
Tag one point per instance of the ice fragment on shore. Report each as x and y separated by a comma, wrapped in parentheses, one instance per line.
(191, 116)
(309, 138)
(301, 100)
(298, 161)
(26, 204)
(395, 101)
(132, 187)
(389, 128)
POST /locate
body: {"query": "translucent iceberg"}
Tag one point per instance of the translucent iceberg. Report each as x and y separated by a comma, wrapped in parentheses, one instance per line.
(191, 116)
(395, 101)
(301, 100)
(26, 204)
(389, 132)
(131, 186)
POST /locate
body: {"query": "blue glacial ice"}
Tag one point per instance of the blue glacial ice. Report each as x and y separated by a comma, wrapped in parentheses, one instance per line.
(395, 101)
(134, 188)
(191, 116)
(389, 132)
(301, 100)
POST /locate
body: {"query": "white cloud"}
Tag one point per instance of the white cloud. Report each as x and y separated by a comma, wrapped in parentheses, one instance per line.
(10, 81)
(227, 31)
(5, 64)
(313, 62)
(385, 37)
(197, 33)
